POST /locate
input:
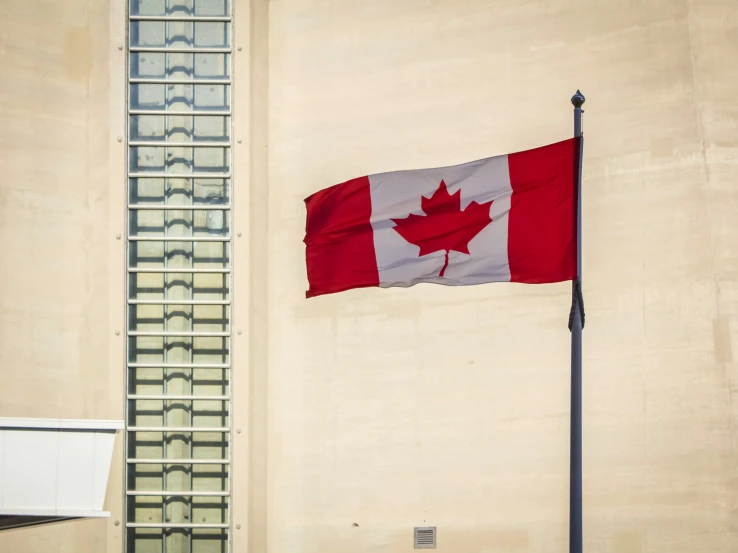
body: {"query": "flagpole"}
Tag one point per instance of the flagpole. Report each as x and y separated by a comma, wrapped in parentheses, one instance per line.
(576, 323)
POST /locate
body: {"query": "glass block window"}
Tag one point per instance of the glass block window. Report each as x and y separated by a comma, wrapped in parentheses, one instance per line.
(179, 186)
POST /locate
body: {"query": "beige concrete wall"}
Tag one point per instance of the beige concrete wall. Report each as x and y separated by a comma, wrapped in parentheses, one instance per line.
(251, 249)
(87, 536)
(54, 209)
(59, 266)
(449, 407)
(428, 406)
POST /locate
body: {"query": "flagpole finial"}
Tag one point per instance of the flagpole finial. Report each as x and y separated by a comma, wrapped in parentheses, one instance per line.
(577, 99)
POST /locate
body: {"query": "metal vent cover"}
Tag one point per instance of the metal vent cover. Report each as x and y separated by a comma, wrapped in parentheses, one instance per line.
(424, 537)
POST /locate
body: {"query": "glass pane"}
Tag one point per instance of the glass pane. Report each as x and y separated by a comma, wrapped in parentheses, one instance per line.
(179, 65)
(152, 7)
(209, 510)
(151, 349)
(180, 477)
(180, 510)
(179, 540)
(192, 286)
(145, 509)
(180, 97)
(180, 34)
(176, 223)
(198, 413)
(211, 7)
(179, 191)
(180, 128)
(198, 255)
(180, 7)
(157, 381)
(198, 318)
(177, 444)
(176, 159)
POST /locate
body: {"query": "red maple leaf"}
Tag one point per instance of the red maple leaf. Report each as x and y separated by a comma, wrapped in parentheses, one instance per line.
(445, 226)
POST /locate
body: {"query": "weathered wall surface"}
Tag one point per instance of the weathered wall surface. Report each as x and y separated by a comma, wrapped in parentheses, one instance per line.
(427, 406)
(54, 233)
(76, 536)
(54, 209)
(449, 407)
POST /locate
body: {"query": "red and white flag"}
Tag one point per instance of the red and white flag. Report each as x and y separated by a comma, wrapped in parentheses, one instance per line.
(508, 218)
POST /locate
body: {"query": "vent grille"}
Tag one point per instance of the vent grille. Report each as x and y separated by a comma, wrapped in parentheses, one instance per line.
(425, 537)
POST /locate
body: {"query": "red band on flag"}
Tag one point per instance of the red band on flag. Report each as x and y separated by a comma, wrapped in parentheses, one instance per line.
(542, 238)
(339, 239)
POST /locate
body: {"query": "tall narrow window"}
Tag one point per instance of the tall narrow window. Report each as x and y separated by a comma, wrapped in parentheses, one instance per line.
(179, 276)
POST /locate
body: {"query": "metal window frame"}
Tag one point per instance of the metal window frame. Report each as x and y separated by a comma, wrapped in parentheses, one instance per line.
(183, 19)
(144, 461)
(163, 175)
(167, 144)
(133, 365)
(180, 49)
(177, 270)
(146, 397)
(160, 80)
(168, 429)
(166, 493)
(164, 525)
(178, 333)
(178, 302)
(179, 238)
(191, 207)
(185, 113)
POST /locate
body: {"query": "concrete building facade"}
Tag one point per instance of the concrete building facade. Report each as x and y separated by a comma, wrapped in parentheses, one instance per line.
(154, 157)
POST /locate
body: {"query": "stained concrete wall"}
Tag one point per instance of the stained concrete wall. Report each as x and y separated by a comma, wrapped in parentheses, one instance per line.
(54, 209)
(55, 245)
(428, 406)
(449, 407)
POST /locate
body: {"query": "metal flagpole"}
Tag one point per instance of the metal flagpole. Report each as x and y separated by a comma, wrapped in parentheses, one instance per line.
(576, 323)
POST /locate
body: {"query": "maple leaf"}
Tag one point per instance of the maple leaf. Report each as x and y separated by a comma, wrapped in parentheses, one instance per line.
(445, 226)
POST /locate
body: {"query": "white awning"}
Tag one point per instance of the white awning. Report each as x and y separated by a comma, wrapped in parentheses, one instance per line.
(52, 469)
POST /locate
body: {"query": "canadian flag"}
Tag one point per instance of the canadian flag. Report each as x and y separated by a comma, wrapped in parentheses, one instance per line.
(509, 218)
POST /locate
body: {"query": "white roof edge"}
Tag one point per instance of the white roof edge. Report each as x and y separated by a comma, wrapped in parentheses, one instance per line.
(54, 513)
(61, 424)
